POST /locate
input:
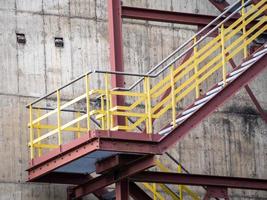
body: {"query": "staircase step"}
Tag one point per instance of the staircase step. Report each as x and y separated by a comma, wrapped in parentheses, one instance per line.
(214, 90)
(205, 99)
(230, 79)
(193, 109)
(260, 52)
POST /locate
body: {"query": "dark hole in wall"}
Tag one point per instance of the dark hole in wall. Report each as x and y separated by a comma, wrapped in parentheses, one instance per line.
(59, 42)
(21, 39)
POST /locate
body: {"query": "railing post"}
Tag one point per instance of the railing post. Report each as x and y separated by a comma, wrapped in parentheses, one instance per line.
(173, 97)
(223, 55)
(39, 132)
(103, 124)
(87, 101)
(196, 68)
(180, 187)
(31, 135)
(148, 106)
(59, 118)
(244, 28)
(107, 101)
(78, 134)
(154, 191)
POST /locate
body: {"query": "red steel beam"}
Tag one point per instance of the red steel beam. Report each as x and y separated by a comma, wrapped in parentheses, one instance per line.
(110, 178)
(176, 17)
(114, 162)
(122, 189)
(200, 180)
(137, 193)
(116, 51)
(205, 110)
(168, 16)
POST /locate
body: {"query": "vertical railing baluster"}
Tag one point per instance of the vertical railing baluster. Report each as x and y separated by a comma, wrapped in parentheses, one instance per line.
(103, 124)
(87, 83)
(148, 105)
(59, 118)
(31, 134)
(78, 134)
(223, 55)
(244, 28)
(173, 97)
(196, 68)
(154, 191)
(39, 132)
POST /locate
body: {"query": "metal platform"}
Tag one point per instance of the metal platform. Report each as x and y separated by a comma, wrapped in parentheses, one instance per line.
(80, 155)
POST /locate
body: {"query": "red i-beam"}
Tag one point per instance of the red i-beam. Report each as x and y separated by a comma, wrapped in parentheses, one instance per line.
(116, 51)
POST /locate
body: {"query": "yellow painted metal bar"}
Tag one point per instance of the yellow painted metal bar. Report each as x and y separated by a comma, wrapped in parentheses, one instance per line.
(46, 146)
(173, 97)
(52, 127)
(244, 27)
(150, 187)
(169, 191)
(196, 68)
(62, 128)
(103, 122)
(154, 186)
(137, 123)
(185, 188)
(39, 132)
(131, 107)
(191, 193)
(180, 187)
(128, 114)
(127, 93)
(107, 101)
(61, 108)
(87, 83)
(223, 55)
(148, 106)
(78, 133)
(59, 118)
(31, 134)
(111, 114)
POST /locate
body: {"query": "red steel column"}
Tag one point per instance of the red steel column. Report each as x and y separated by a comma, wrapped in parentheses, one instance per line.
(116, 50)
(122, 189)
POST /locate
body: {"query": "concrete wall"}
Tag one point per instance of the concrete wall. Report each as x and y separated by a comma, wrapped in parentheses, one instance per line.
(230, 142)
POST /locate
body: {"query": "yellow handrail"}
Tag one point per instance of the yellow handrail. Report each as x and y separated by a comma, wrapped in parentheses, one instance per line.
(146, 105)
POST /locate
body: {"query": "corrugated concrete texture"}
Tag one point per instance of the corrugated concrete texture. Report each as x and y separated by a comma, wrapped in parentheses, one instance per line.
(233, 141)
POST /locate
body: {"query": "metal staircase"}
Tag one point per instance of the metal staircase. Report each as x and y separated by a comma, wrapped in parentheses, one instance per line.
(84, 130)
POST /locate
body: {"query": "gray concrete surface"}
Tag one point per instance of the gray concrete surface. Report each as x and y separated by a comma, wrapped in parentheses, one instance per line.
(232, 141)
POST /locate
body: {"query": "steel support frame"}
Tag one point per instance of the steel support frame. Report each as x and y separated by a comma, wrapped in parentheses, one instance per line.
(116, 51)
(114, 177)
(200, 180)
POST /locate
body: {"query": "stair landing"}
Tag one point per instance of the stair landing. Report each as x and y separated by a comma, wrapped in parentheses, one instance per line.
(80, 155)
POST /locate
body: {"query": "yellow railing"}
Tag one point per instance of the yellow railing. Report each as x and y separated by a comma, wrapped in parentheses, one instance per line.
(145, 105)
(182, 189)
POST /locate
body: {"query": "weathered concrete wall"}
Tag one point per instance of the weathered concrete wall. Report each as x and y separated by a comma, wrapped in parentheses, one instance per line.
(230, 142)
